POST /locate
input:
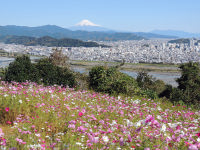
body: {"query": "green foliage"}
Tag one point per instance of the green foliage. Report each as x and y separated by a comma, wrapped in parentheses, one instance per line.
(159, 86)
(167, 92)
(110, 80)
(52, 74)
(177, 95)
(51, 42)
(148, 94)
(21, 70)
(44, 71)
(82, 81)
(147, 83)
(2, 73)
(144, 80)
(188, 84)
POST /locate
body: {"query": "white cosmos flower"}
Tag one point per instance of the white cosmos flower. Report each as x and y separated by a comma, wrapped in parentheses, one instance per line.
(172, 125)
(198, 140)
(163, 128)
(137, 101)
(38, 135)
(20, 101)
(129, 123)
(159, 117)
(78, 143)
(138, 124)
(159, 108)
(105, 139)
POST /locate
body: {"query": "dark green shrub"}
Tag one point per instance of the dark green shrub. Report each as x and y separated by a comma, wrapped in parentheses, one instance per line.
(110, 80)
(158, 86)
(147, 82)
(51, 74)
(99, 79)
(82, 81)
(21, 70)
(188, 85)
(148, 94)
(144, 80)
(2, 73)
(124, 84)
(65, 77)
(177, 95)
(43, 72)
(166, 93)
(47, 71)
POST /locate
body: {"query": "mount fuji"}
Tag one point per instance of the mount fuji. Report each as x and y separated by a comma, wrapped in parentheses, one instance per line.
(86, 25)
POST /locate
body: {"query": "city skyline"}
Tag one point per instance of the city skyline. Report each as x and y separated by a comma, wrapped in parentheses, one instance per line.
(126, 15)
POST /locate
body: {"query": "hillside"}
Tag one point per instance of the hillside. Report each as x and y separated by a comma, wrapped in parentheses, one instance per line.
(38, 117)
(179, 41)
(48, 41)
(59, 32)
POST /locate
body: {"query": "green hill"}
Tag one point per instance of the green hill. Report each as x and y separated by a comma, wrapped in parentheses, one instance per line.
(179, 41)
(48, 41)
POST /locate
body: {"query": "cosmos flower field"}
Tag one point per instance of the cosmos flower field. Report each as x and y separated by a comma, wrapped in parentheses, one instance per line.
(35, 117)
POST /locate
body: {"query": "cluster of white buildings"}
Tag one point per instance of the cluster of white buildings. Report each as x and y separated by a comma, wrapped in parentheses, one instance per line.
(150, 51)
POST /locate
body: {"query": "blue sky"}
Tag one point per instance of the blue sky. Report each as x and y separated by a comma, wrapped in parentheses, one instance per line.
(127, 15)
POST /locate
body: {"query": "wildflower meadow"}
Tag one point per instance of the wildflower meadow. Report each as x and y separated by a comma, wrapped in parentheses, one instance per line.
(34, 117)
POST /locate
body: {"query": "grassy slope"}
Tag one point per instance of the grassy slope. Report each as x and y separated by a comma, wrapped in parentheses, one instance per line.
(54, 117)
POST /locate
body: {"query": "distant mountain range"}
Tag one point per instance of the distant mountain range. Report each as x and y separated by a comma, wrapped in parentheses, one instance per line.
(48, 41)
(176, 33)
(59, 32)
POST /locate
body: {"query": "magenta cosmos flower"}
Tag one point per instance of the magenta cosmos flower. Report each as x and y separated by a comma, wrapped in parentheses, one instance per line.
(7, 108)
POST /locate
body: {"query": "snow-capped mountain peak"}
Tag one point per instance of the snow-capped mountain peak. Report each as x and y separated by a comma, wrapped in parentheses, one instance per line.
(86, 23)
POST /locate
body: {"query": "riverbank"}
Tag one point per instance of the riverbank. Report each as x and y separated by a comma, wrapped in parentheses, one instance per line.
(166, 72)
(169, 68)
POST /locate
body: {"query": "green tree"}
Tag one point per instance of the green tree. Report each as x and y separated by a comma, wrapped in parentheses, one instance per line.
(144, 80)
(110, 80)
(148, 83)
(167, 92)
(51, 74)
(21, 70)
(189, 82)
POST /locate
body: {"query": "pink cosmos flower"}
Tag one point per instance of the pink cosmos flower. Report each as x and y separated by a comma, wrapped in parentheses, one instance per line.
(1, 133)
(8, 122)
(7, 109)
(43, 145)
(198, 134)
(80, 114)
(192, 147)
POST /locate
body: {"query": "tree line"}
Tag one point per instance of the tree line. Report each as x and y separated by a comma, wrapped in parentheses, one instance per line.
(55, 70)
(50, 42)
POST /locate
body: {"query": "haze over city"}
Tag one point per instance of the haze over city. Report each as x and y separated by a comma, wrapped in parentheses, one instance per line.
(126, 15)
